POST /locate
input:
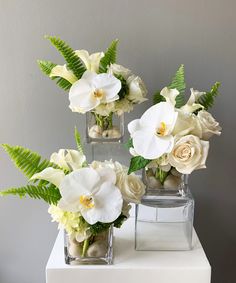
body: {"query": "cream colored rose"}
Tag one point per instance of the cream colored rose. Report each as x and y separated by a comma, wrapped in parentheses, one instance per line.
(131, 187)
(137, 89)
(122, 106)
(68, 159)
(186, 124)
(209, 125)
(105, 109)
(189, 153)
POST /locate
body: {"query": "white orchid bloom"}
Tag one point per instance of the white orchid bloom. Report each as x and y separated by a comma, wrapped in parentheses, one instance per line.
(93, 193)
(191, 104)
(68, 159)
(92, 90)
(151, 133)
(63, 72)
(92, 61)
(169, 94)
(52, 175)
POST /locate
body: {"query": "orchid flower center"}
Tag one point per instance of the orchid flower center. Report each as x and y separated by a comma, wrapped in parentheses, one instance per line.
(98, 93)
(161, 131)
(86, 201)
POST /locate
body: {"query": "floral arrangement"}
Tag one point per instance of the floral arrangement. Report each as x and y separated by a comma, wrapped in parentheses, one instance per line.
(172, 137)
(85, 199)
(95, 83)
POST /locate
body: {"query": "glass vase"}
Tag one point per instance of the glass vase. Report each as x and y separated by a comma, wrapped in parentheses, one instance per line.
(103, 129)
(164, 219)
(95, 250)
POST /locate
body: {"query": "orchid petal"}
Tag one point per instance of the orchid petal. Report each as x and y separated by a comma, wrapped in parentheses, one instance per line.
(170, 95)
(150, 146)
(107, 175)
(134, 126)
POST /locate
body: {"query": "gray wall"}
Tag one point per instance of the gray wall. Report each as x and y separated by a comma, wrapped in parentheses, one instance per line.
(155, 38)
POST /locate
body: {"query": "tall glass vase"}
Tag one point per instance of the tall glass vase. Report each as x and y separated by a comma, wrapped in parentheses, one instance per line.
(164, 219)
(103, 129)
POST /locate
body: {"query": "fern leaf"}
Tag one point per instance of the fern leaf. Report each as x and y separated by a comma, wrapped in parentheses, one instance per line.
(109, 57)
(27, 161)
(78, 141)
(207, 99)
(74, 63)
(177, 82)
(49, 194)
(46, 67)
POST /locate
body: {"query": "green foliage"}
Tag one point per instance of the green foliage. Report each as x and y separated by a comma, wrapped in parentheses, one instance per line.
(74, 63)
(129, 143)
(177, 82)
(124, 87)
(49, 194)
(137, 163)
(27, 161)
(207, 99)
(78, 141)
(109, 57)
(46, 67)
(100, 227)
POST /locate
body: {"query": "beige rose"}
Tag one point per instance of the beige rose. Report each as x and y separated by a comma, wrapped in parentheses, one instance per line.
(116, 69)
(137, 89)
(68, 159)
(131, 187)
(189, 153)
(209, 125)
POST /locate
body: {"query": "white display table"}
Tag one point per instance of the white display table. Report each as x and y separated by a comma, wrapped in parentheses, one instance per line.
(132, 266)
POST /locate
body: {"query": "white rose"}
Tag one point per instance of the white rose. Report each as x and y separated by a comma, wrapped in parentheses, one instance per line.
(116, 69)
(209, 125)
(68, 159)
(131, 187)
(137, 89)
(189, 153)
(186, 124)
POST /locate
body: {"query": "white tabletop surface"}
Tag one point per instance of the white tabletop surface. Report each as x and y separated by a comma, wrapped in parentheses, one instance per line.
(138, 266)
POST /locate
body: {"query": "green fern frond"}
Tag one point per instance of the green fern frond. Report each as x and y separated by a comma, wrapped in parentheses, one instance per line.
(27, 161)
(49, 194)
(74, 63)
(109, 57)
(46, 67)
(78, 141)
(207, 99)
(177, 82)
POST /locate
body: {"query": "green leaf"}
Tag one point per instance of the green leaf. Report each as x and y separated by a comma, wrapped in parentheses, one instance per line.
(74, 63)
(177, 82)
(129, 143)
(207, 99)
(49, 194)
(137, 163)
(109, 57)
(46, 67)
(27, 161)
(78, 141)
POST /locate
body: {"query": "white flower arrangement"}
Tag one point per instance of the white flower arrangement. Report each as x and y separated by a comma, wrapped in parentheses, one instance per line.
(172, 137)
(95, 82)
(85, 199)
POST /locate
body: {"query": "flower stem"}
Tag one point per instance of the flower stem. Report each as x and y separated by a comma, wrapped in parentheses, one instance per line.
(85, 247)
(105, 122)
(161, 175)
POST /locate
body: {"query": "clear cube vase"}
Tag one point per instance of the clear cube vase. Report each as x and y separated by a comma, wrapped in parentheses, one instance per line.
(164, 219)
(94, 250)
(104, 129)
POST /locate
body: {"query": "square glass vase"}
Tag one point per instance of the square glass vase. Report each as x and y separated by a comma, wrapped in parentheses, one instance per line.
(104, 129)
(164, 219)
(95, 250)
